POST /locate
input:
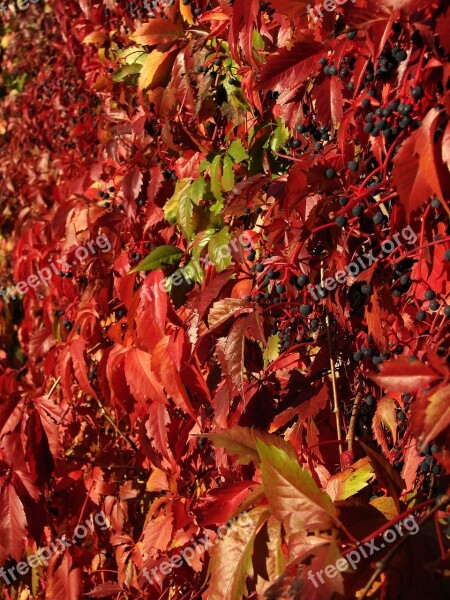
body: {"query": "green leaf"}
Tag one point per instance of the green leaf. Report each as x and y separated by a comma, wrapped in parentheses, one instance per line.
(258, 40)
(179, 208)
(197, 190)
(231, 558)
(204, 165)
(163, 256)
(219, 252)
(201, 241)
(279, 136)
(228, 174)
(295, 498)
(127, 70)
(237, 152)
(185, 212)
(215, 178)
(241, 442)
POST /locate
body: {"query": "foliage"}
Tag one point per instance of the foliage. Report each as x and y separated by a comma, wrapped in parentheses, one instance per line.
(178, 129)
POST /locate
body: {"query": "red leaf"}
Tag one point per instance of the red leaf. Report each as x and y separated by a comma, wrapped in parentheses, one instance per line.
(156, 428)
(291, 67)
(403, 376)
(385, 418)
(245, 17)
(12, 523)
(142, 381)
(132, 184)
(415, 173)
(329, 100)
(231, 355)
(290, 8)
(158, 534)
(104, 590)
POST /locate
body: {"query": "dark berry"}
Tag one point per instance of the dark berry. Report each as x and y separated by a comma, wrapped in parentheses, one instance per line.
(435, 203)
(417, 92)
(421, 315)
(358, 211)
(302, 280)
(353, 165)
(378, 218)
(425, 467)
(306, 309)
(341, 221)
(434, 305)
(351, 34)
(400, 55)
(330, 173)
(381, 124)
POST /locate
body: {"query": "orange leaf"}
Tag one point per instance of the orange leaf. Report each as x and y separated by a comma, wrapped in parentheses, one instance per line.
(158, 31)
(431, 414)
(156, 69)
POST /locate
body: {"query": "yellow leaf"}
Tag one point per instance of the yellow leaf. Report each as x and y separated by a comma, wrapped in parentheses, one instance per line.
(95, 37)
(156, 69)
(157, 482)
(231, 558)
(350, 481)
(186, 12)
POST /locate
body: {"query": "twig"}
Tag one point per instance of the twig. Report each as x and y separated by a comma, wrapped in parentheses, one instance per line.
(111, 422)
(52, 389)
(333, 380)
(353, 418)
(381, 565)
